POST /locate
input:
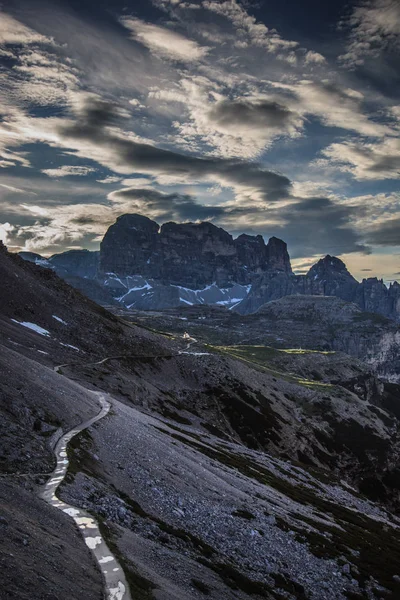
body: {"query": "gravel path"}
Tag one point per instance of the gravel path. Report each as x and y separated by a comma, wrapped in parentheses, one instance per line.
(115, 582)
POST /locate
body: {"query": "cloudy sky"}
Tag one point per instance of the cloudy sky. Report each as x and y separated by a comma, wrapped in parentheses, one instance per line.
(279, 117)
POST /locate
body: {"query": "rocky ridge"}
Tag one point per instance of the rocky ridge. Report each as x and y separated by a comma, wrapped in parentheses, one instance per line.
(145, 266)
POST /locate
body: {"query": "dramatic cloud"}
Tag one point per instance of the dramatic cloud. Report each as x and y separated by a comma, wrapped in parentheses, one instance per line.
(163, 41)
(374, 26)
(200, 109)
(311, 226)
(91, 136)
(164, 207)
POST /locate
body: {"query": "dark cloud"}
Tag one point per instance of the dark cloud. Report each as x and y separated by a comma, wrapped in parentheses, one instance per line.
(386, 234)
(181, 207)
(389, 163)
(252, 114)
(146, 158)
(318, 226)
(85, 220)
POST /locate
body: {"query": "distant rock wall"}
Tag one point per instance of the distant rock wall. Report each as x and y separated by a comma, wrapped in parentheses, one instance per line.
(328, 277)
(188, 254)
(198, 255)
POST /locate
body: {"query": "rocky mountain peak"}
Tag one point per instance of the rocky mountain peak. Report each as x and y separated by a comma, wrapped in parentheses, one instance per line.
(329, 266)
(245, 238)
(181, 262)
(82, 263)
(277, 255)
(128, 245)
(136, 221)
(196, 231)
(31, 256)
(190, 255)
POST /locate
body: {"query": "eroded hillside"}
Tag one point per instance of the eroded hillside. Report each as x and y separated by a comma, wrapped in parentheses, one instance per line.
(220, 471)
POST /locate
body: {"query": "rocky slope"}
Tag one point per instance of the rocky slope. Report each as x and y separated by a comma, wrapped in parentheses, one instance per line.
(148, 267)
(300, 322)
(206, 453)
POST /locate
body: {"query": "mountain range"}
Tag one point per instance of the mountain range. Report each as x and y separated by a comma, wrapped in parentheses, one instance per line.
(144, 266)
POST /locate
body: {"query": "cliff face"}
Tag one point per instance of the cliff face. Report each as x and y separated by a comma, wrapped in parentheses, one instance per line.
(328, 277)
(79, 263)
(191, 255)
(139, 261)
(130, 246)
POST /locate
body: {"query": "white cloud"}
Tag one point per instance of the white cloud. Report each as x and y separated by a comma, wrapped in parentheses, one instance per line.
(14, 32)
(365, 161)
(377, 209)
(136, 103)
(37, 211)
(247, 28)
(6, 230)
(314, 57)
(137, 182)
(163, 41)
(374, 25)
(334, 105)
(68, 171)
(109, 179)
(15, 190)
(41, 73)
(66, 226)
(240, 126)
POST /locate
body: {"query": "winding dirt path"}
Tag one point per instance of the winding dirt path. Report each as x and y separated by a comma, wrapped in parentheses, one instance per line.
(115, 582)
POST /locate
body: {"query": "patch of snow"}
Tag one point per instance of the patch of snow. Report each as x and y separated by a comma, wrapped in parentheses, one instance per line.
(42, 262)
(139, 288)
(113, 277)
(234, 305)
(186, 301)
(33, 327)
(194, 353)
(59, 320)
(224, 302)
(69, 346)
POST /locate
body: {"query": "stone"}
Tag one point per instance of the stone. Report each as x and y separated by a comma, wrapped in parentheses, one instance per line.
(191, 255)
(197, 255)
